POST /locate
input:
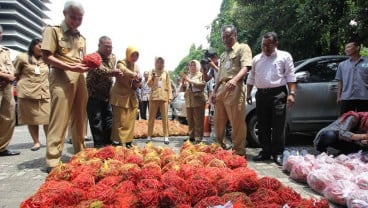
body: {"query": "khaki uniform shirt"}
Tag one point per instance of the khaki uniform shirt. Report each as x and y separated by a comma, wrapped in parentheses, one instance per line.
(160, 86)
(122, 94)
(194, 94)
(99, 81)
(33, 77)
(66, 45)
(6, 65)
(231, 62)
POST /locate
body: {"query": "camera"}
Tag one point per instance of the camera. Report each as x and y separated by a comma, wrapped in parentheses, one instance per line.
(208, 55)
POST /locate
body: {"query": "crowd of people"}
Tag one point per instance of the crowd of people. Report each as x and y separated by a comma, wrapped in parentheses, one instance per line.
(56, 90)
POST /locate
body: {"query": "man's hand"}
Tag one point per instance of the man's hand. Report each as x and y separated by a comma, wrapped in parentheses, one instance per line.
(80, 68)
(230, 85)
(116, 73)
(290, 100)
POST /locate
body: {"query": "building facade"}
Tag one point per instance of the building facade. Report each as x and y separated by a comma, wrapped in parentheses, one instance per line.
(22, 20)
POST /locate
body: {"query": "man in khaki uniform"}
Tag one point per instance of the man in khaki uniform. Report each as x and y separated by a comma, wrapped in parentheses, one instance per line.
(124, 99)
(229, 92)
(63, 48)
(161, 95)
(7, 104)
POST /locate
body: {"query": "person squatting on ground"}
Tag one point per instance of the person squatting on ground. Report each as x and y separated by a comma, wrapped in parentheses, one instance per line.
(195, 100)
(348, 134)
(273, 75)
(63, 48)
(33, 91)
(229, 93)
(99, 83)
(160, 97)
(124, 100)
(352, 76)
(7, 103)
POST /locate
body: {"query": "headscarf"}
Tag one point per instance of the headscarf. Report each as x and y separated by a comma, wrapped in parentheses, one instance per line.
(129, 51)
(362, 117)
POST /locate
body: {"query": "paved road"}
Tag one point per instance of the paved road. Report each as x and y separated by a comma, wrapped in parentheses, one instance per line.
(21, 176)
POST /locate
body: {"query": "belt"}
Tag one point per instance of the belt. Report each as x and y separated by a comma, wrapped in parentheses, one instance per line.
(271, 90)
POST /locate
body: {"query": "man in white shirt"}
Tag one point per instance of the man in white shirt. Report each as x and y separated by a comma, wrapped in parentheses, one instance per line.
(273, 75)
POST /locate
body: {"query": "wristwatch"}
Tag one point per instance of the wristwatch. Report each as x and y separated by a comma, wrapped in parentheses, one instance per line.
(292, 93)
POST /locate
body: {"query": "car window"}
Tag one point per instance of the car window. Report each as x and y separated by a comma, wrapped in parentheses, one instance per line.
(322, 70)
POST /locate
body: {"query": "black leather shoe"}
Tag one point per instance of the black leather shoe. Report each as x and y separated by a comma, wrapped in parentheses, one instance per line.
(261, 157)
(9, 153)
(49, 169)
(128, 145)
(278, 159)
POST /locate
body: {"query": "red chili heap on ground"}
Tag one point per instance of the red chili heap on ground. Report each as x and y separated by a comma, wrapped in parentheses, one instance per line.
(201, 176)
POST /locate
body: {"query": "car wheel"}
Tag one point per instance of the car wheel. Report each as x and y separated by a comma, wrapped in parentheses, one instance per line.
(183, 120)
(252, 131)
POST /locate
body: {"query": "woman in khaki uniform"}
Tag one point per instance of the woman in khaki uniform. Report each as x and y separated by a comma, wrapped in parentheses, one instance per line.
(193, 85)
(33, 91)
(124, 100)
(161, 96)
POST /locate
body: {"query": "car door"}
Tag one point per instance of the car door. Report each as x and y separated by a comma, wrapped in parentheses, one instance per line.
(315, 104)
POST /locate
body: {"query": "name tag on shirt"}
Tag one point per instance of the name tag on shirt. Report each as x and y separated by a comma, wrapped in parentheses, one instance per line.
(159, 84)
(227, 64)
(37, 70)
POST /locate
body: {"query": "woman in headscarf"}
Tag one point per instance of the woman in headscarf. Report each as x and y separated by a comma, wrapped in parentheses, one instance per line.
(195, 100)
(33, 91)
(349, 133)
(124, 100)
(161, 95)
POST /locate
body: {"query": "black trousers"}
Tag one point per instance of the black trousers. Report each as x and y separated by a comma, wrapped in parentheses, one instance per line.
(330, 138)
(353, 105)
(271, 113)
(100, 121)
(143, 105)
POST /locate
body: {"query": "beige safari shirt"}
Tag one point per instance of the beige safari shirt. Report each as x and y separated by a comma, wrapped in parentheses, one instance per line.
(66, 45)
(33, 80)
(194, 94)
(160, 86)
(122, 95)
(232, 61)
(6, 65)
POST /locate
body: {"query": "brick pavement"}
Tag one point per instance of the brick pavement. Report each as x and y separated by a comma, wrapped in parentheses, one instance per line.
(21, 176)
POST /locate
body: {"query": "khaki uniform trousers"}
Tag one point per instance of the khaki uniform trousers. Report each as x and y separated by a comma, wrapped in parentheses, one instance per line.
(123, 122)
(195, 118)
(153, 107)
(68, 104)
(7, 116)
(231, 106)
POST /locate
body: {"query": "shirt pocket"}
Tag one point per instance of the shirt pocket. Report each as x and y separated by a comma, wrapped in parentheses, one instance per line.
(364, 74)
(64, 46)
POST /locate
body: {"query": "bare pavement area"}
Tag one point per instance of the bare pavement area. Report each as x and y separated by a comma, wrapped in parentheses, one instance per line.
(22, 175)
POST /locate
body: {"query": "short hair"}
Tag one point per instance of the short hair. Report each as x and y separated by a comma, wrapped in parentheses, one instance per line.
(272, 35)
(231, 27)
(102, 38)
(355, 39)
(34, 42)
(73, 4)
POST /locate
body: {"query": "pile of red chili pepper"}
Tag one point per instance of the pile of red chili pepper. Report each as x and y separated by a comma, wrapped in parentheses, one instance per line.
(200, 176)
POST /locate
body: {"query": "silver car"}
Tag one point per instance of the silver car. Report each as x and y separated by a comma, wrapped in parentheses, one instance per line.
(315, 104)
(178, 108)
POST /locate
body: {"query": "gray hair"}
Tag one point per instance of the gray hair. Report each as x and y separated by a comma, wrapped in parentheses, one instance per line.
(231, 27)
(73, 4)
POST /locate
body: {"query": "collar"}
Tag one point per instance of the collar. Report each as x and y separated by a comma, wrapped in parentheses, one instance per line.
(65, 28)
(274, 54)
